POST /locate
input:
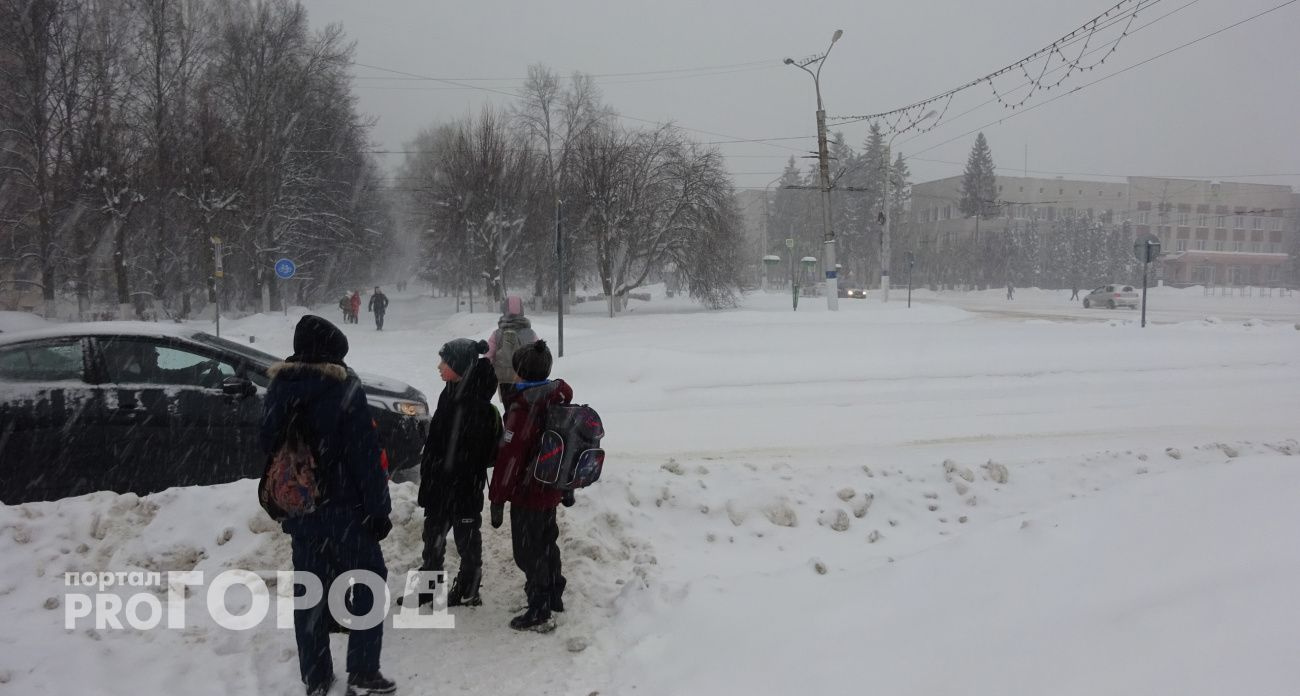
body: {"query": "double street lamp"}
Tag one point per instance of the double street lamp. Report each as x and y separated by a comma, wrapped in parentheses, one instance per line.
(823, 158)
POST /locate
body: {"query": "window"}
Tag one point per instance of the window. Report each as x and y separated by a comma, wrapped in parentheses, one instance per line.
(1060, 192)
(1182, 245)
(42, 362)
(1238, 246)
(1255, 247)
(1239, 222)
(1257, 223)
(1182, 219)
(1275, 224)
(1218, 244)
(1144, 218)
(1200, 245)
(1022, 189)
(143, 361)
(1040, 189)
(1202, 220)
(1219, 221)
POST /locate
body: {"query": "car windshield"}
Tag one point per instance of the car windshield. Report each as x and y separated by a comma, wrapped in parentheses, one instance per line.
(250, 354)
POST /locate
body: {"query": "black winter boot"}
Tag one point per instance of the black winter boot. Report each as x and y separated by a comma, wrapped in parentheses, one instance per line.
(464, 591)
(421, 599)
(537, 618)
(557, 596)
(322, 688)
(372, 684)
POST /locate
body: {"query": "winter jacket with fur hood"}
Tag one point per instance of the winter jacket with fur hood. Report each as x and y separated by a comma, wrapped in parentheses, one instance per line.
(353, 476)
(463, 435)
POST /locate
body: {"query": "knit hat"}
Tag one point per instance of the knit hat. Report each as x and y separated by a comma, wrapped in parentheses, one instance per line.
(460, 354)
(512, 306)
(532, 362)
(316, 340)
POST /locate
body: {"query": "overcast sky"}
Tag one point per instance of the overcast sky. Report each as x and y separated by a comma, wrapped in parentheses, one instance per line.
(1222, 108)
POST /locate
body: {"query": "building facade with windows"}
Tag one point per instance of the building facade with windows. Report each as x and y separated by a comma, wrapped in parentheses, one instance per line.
(936, 205)
(1211, 233)
(1217, 233)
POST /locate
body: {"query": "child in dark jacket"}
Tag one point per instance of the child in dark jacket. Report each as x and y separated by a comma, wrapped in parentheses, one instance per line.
(533, 529)
(462, 444)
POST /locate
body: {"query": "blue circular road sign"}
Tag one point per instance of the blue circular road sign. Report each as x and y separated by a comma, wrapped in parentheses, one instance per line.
(285, 268)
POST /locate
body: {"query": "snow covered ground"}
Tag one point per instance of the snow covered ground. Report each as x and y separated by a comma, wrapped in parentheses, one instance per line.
(961, 497)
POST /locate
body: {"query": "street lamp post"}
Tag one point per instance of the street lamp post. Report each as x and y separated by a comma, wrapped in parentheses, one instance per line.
(889, 214)
(767, 225)
(823, 158)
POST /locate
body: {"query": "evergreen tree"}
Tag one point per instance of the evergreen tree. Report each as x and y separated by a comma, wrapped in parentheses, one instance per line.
(979, 187)
(874, 167)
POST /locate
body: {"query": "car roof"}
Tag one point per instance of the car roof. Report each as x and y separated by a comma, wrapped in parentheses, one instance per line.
(101, 328)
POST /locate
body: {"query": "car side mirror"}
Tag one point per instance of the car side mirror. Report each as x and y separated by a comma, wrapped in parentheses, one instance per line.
(238, 386)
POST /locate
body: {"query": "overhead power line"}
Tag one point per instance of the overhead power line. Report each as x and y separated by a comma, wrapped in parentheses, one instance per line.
(770, 62)
(456, 83)
(1107, 77)
(1123, 11)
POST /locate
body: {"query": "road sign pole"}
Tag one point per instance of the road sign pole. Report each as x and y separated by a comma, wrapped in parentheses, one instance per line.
(911, 261)
(1145, 266)
(1146, 248)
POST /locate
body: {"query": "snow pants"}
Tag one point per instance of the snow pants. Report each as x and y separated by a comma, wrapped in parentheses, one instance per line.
(461, 513)
(533, 534)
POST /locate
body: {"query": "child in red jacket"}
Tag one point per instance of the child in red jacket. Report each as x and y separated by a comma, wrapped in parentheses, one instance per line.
(533, 530)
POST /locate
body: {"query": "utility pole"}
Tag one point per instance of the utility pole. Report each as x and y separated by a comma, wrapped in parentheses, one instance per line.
(889, 213)
(559, 254)
(823, 157)
(217, 275)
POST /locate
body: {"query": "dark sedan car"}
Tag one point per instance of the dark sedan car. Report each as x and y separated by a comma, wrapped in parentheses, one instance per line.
(137, 407)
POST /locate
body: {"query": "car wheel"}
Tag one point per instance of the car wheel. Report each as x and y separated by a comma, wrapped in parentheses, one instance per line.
(1086, 304)
(1110, 304)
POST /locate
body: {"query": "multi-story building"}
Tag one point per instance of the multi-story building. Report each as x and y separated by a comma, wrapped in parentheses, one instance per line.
(1211, 233)
(1216, 233)
(937, 215)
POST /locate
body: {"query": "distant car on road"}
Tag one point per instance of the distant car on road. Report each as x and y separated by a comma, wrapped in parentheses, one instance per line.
(1112, 296)
(853, 292)
(139, 407)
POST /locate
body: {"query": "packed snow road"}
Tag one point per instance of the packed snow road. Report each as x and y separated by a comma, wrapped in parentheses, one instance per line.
(904, 501)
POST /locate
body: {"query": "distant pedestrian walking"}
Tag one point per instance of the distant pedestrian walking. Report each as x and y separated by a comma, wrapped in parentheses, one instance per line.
(1074, 291)
(1011, 291)
(378, 305)
(355, 304)
(345, 306)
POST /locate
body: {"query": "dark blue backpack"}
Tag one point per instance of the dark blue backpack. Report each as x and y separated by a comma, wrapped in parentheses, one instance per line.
(570, 456)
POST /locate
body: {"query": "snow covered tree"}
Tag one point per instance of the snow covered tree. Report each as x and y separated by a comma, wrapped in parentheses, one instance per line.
(979, 186)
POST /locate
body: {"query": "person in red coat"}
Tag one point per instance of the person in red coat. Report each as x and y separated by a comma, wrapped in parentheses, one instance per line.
(356, 306)
(533, 529)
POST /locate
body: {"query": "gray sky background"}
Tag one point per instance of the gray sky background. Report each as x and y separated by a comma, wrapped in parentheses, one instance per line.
(1222, 108)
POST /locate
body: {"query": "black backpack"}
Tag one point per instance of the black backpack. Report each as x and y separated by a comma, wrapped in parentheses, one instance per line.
(291, 484)
(570, 456)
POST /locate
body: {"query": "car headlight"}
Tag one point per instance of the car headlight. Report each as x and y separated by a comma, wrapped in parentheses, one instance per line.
(412, 408)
